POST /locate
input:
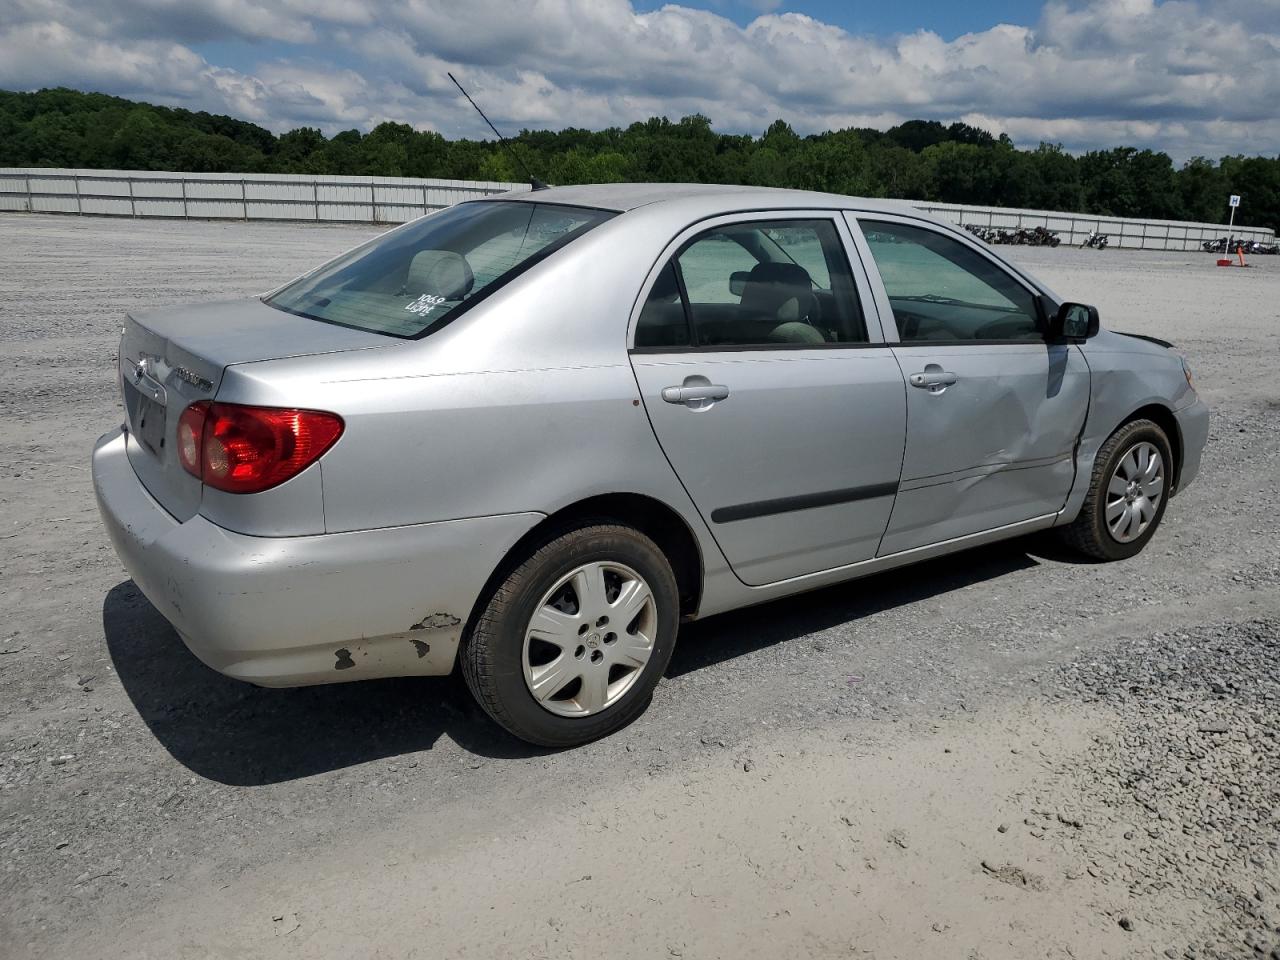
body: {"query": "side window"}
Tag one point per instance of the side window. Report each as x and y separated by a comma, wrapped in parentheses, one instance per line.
(940, 289)
(708, 264)
(804, 246)
(662, 321)
(764, 283)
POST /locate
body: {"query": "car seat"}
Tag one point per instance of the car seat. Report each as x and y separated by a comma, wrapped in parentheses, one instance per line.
(781, 294)
(438, 273)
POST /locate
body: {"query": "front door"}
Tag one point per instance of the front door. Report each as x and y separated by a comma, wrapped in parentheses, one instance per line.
(993, 411)
(771, 394)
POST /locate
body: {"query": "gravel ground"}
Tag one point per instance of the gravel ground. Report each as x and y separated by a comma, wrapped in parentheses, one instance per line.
(825, 775)
(1189, 776)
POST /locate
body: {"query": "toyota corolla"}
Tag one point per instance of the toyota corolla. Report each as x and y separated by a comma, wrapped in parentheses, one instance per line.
(531, 435)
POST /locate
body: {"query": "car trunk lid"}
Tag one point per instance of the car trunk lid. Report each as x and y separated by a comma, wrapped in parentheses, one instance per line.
(171, 358)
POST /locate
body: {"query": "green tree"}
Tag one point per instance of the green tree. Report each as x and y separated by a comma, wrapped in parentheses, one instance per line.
(499, 166)
(918, 159)
(779, 137)
(1202, 190)
(1257, 181)
(899, 172)
(427, 154)
(1054, 179)
(1126, 182)
(836, 163)
(295, 148)
(917, 135)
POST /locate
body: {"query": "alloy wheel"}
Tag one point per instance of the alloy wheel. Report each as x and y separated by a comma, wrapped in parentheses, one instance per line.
(1134, 492)
(589, 639)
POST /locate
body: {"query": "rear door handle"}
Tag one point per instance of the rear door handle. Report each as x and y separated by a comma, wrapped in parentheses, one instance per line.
(695, 393)
(933, 379)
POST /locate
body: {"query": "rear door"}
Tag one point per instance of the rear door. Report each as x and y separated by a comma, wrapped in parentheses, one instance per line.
(772, 395)
(993, 411)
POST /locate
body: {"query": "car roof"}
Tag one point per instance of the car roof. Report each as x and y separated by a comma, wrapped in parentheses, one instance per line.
(622, 197)
(673, 206)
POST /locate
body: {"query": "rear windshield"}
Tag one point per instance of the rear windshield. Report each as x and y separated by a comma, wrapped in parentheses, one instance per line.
(416, 279)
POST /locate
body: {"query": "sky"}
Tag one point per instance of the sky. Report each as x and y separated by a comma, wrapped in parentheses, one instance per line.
(1190, 77)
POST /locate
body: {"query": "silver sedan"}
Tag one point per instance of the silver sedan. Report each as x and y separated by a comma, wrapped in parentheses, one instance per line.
(531, 435)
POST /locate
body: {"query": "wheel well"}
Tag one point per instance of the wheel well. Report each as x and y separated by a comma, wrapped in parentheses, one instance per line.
(651, 517)
(1163, 417)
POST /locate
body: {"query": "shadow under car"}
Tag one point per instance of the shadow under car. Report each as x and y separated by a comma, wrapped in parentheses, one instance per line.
(239, 734)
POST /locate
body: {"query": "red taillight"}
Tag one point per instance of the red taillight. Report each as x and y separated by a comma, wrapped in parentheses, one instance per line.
(242, 449)
(191, 435)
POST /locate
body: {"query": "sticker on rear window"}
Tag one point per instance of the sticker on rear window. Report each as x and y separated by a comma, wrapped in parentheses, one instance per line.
(425, 304)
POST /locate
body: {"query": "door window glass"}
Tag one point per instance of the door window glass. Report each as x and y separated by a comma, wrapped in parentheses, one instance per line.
(942, 290)
(709, 264)
(766, 283)
(662, 321)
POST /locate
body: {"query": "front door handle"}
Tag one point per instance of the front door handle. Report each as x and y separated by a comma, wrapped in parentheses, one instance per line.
(933, 378)
(695, 392)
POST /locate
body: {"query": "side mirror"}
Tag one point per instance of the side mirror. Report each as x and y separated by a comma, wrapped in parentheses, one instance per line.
(1073, 321)
(738, 282)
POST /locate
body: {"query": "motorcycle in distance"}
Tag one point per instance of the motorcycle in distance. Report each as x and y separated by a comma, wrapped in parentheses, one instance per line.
(1042, 237)
(1236, 244)
(1096, 240)
(1036, 237)
(985, 234)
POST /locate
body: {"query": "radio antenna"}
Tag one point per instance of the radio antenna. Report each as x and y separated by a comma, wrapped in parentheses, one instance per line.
(534, 182)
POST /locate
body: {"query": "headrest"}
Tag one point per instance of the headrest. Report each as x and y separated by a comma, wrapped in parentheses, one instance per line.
(788, 274)
(440, 273)
(779, 290)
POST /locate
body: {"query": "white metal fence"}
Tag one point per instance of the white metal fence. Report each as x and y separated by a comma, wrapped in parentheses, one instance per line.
(235, 196)
(266, 196)
(1074, 228)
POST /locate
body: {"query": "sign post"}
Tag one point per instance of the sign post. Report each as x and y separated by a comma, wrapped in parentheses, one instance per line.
(1233, 203)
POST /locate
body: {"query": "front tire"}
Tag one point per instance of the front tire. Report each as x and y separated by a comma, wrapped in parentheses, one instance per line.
(1128, 493)
(570, 646)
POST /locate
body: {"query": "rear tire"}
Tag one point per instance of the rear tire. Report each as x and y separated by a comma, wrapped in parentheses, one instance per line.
(589, 621)
(1128, 493)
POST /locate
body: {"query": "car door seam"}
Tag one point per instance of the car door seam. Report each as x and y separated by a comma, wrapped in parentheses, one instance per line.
(657, 439)
(1084, 425)
(906, 436)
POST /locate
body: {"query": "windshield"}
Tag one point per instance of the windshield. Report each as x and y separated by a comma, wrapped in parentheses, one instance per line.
(416, 279)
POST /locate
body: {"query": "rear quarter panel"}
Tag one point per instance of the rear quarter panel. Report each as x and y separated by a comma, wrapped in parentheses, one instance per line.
(525, 403)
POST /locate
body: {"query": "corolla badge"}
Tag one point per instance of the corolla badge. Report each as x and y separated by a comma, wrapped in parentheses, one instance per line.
(148, 367)
(189, 376)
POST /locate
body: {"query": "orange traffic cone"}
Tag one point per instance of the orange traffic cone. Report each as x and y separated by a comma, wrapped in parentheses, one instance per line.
(1240, 252)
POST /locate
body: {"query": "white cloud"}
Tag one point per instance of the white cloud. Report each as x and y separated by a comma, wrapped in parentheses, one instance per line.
(1185, 75)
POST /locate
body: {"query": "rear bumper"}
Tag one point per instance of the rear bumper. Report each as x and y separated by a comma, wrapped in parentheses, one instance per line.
(1193, 425)
(288, 611)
